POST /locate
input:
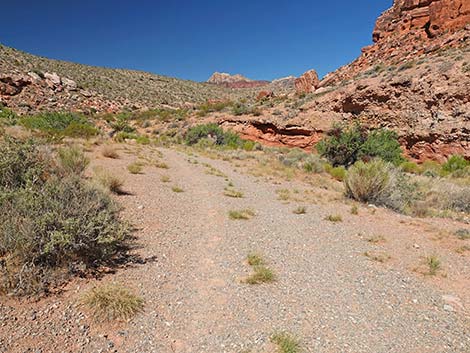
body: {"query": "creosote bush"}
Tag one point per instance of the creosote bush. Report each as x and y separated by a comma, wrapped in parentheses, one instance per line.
(50, 221)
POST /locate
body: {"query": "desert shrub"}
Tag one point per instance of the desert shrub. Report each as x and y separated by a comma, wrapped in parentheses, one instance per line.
(380, 183)
(109, 151)
(431, 169)
(7, 116)
(300, 159)
(383, 144)
(135, 168)
(122, 136)
(342, 145)
(72, 160)
(338, 173)
(56, 124)
(50, 224)
(210, 107)
(458, 199)
(410, 167)
(455, 163)
(212, 132)
(368, 182)
(198, 132)
(121, 123)
(248, 145)
(142, 140)
(347, 144)
(240, 109)
(22, 165)
(109, 182)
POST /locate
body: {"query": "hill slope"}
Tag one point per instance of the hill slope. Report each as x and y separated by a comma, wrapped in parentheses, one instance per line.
(25, 86)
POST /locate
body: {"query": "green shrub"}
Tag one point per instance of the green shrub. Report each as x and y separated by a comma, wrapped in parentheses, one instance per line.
(248, 145)
(7, 116)
(212, 132)
(342, 145)
(345, 145)
(455, 163)
(431, 169)
(121, 124)
(338, 173)
(73, 160)
(410, 167)
(383, 144)
(50, 223)
(240, 109)
(210, 107)
(123, 136)
(60, 124)
(198, 132)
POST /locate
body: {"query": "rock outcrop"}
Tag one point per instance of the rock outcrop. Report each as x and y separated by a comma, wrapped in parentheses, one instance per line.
(408, 30)
(307, 83)
(234, 81)
(414, 79)
(31, 92)
(426, 18)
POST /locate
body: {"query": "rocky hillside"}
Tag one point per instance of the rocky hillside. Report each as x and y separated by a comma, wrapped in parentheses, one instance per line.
(415, 79)
(234, 81)
(29, 83)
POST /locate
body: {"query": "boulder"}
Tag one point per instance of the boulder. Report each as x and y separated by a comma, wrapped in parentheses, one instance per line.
(69, 84)
(264, 95)
(53, 80)
(307, 83)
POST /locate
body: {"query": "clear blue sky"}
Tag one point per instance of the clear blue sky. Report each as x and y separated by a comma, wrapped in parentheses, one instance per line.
(262, 39)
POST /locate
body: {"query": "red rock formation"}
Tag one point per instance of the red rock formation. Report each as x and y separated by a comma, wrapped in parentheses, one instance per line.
(409, 29)
(264, 95)
(270, 134)
(428, 18)
(307, 83)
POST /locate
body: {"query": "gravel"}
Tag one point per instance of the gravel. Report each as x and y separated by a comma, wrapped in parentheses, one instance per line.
(327, 293)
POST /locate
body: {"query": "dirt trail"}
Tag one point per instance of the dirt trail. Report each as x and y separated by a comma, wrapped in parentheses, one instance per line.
(327, 293)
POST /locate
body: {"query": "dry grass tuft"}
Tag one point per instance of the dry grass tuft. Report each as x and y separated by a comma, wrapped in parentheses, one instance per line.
(334, 218)
(434, 265)
(241, 214)
(110, 182)
(109, 152)
(135, 168)
(300, 210)
(233, 193)
(375, 256)
(262, 274)
(112, 301)
(286, 343)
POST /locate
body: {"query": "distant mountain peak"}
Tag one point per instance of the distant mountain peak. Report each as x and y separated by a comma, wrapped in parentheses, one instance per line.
(223, 77)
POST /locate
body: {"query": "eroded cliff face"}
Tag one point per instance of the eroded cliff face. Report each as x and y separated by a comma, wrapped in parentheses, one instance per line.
(428, 18)
(409, 29)
(414, 79)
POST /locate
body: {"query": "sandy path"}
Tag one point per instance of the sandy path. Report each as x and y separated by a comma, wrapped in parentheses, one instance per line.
(327, 292)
